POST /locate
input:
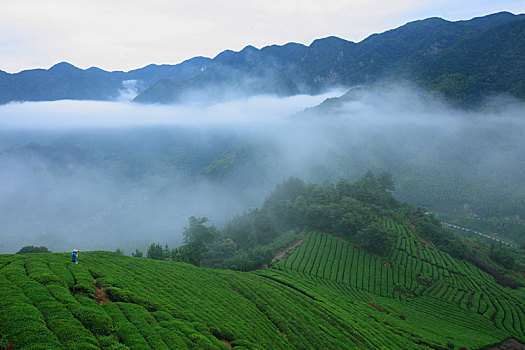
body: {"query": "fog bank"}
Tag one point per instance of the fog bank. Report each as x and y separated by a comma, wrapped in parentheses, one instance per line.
(107, 175)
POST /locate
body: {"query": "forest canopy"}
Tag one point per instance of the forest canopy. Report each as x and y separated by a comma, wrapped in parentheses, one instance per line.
(345, 209)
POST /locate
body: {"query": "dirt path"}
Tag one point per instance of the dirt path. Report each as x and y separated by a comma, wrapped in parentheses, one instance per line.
(101, 296)
(288, 250)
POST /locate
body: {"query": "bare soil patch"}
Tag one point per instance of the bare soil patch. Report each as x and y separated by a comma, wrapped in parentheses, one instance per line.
(379, 308)
(512, 344)
(101, 296)
(227, 343)
(282, 333)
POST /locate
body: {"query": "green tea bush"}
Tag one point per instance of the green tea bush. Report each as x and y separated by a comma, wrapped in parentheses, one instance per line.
(145, 323)
(199, 341)
(70, 331)
(92, 316)
(110, 343)
(82, 346)
(124, 329)
(119, 295)
(37, 338)
(241, 342)
(173, 340)
(20, 316)
(60, 269)
(62, 295)
(178, 306)
(84, 282)
(38, 270)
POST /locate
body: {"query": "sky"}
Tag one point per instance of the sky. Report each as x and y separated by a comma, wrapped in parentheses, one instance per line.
(129, 34)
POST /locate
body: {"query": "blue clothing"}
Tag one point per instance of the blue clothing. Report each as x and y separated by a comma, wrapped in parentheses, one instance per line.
(74, 257)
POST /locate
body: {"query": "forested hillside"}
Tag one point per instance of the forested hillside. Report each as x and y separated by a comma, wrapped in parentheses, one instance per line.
(489, 63)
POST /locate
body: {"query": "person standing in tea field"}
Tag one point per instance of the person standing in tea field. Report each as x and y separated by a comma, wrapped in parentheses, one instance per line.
(74, 256)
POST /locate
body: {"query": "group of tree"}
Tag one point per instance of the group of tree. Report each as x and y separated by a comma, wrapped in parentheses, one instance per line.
(33, 249)
(249, 240)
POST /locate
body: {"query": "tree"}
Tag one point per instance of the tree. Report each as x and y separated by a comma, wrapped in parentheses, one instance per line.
(196, 238)
(240, 229)
(377, 239)
(323, 217)
(119, 251)
(137, 254)
(503, 256)
(355, 217)
(155, 251)
(197, 233)
(33, 249)
(217, 252)
(385, 181)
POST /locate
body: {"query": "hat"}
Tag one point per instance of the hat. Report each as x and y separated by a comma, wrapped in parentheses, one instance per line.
(75, 250)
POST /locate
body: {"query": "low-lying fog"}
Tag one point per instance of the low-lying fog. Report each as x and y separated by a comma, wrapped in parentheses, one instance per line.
(107, 175)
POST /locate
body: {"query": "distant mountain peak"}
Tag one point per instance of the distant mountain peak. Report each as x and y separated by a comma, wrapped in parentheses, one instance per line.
(63, 66)
(249, 48)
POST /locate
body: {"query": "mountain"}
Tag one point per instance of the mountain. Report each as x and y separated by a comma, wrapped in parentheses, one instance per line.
(323, 291)
(417, 51)
(333, 62)
(489, 63)
(65, 81)
(62, 81)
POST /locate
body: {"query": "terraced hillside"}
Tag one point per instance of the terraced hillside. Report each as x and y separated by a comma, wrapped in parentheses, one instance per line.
(414, 272)
(327, 295)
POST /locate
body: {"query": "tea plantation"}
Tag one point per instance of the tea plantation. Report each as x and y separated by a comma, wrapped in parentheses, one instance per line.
(413, 270)
(328, 294)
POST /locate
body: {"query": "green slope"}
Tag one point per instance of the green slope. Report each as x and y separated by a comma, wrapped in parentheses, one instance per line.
(415, 273)
(489, 63)
(48, 303)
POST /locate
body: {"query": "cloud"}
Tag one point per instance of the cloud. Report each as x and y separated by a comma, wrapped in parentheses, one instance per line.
(73, 114)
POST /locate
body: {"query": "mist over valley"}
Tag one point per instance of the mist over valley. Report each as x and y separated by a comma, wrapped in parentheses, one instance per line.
(107, 175)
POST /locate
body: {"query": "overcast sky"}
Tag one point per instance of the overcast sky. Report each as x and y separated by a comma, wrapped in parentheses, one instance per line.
(127, 34)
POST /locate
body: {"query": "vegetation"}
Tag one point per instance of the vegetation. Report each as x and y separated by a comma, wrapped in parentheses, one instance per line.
(346, 209)
(478, 66)
(50, 303)
(510, 229)
(33, 249)
(412, 271)
(336, 266)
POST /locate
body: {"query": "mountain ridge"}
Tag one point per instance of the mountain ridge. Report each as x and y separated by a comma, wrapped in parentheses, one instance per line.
(284, 70)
